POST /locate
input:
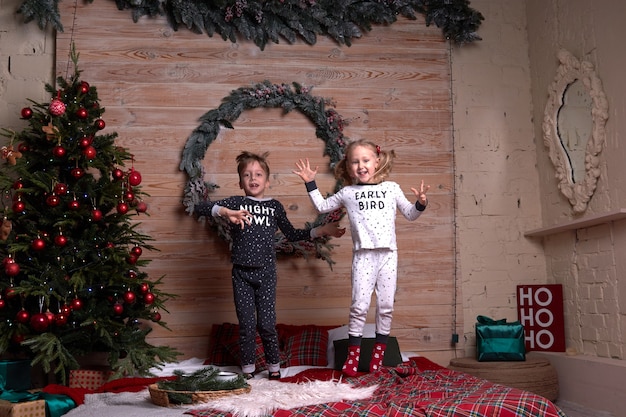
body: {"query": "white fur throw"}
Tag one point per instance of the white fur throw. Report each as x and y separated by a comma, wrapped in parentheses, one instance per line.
(268, 396)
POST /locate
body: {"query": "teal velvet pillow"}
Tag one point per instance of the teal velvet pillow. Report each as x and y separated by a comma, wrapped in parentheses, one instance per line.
(393, 357)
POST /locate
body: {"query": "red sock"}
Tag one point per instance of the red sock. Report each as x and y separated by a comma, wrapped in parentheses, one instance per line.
(351, 365)
(378, 353)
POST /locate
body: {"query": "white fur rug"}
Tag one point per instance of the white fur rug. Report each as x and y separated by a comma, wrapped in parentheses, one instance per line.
(267, 396)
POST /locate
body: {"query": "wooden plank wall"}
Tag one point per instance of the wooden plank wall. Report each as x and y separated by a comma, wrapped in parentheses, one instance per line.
(394, 87)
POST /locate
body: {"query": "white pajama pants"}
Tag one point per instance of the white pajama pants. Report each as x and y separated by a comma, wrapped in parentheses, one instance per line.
(373, 270)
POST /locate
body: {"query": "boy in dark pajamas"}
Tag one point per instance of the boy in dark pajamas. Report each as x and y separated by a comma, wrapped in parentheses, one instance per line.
(254, 221)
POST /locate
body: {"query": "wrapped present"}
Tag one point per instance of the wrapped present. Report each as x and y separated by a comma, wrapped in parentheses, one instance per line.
(497, 340)
(92, 378)
(15, 375)
(35, 408)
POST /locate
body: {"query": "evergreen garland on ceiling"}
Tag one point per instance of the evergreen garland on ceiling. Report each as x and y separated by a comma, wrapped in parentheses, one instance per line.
(263, 21)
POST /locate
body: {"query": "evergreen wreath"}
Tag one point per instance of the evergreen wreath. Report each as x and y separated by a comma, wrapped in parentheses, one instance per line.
(263, 21)
(328, 126)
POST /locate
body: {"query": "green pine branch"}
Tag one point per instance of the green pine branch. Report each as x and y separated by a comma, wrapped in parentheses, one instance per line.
(263, 21)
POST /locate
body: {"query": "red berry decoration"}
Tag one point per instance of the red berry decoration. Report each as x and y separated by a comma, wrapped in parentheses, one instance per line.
(22, 316)
(38, 244)
(100, 124)
(82, 113)
(118, 309)
(60, 240)
(57, 107)
(53, 200)
(59, 151)
(90, 152)
(122, 208)
(148, 298)
(129, 297)
(96, 215)
(39, 322)
(77, 173)
(27, 113)
(134, 177)
(84, 87)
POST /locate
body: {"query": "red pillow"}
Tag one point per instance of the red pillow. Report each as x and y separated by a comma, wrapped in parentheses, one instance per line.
(307, 347)
(220, 341)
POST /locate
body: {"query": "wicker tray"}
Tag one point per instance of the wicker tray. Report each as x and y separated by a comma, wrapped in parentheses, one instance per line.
(160, 396)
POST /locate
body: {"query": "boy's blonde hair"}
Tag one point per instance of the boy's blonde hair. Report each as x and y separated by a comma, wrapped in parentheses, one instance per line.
(385, 162)
(245, 158)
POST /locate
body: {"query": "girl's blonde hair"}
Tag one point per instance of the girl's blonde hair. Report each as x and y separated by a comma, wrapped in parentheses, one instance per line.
(245, 158)
(385, 162)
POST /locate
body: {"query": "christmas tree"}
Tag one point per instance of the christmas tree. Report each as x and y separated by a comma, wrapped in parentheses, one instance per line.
(71, 281)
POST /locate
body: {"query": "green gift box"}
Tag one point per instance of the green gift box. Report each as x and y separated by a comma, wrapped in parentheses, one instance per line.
(15, 375)
(497, 340)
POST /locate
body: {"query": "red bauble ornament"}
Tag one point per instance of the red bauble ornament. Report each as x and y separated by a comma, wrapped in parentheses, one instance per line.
(122, 208)
(27, 113)
(142, 207)
(117, 174)
(77, 173)
(18, 185)
(53, 200)
(65, 309)
(12, 269)
(134, 177)
(23, 147)
(39, 322)
(136, 250)
(60, 240)
(100, 124)
(86, 141)
(17, 338)
(9, 292)
(60, 188)
(59, 151)
(50, 316)
(73, 205)
(129, 196)
(96, 215)
(76, 304)
(156, 316)
(60, 319)
(90, 152)
(129, 297)
(132, 274)
(132, 259)
(19, 206)
(22, 316)
(57, 107)
(118, 309)
(148, 298)
(84, 87)
(144, 288)
(82, 113)
(38, 244)
(3, 303)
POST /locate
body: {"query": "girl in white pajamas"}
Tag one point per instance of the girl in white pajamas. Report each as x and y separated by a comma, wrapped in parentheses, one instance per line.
(371, 204)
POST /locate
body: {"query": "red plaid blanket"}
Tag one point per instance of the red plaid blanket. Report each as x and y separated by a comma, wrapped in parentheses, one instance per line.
(420, 388)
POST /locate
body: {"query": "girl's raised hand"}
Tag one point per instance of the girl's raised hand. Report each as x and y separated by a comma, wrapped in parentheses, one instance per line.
(304, 170)
(421, 193)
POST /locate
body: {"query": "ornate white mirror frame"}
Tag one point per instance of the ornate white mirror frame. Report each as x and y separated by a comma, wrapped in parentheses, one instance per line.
(577, 190)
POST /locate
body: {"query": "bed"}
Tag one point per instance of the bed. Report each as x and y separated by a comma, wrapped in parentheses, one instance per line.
(311, 386)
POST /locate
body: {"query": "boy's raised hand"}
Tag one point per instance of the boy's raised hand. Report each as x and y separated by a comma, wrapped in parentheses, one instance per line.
(304, 170)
